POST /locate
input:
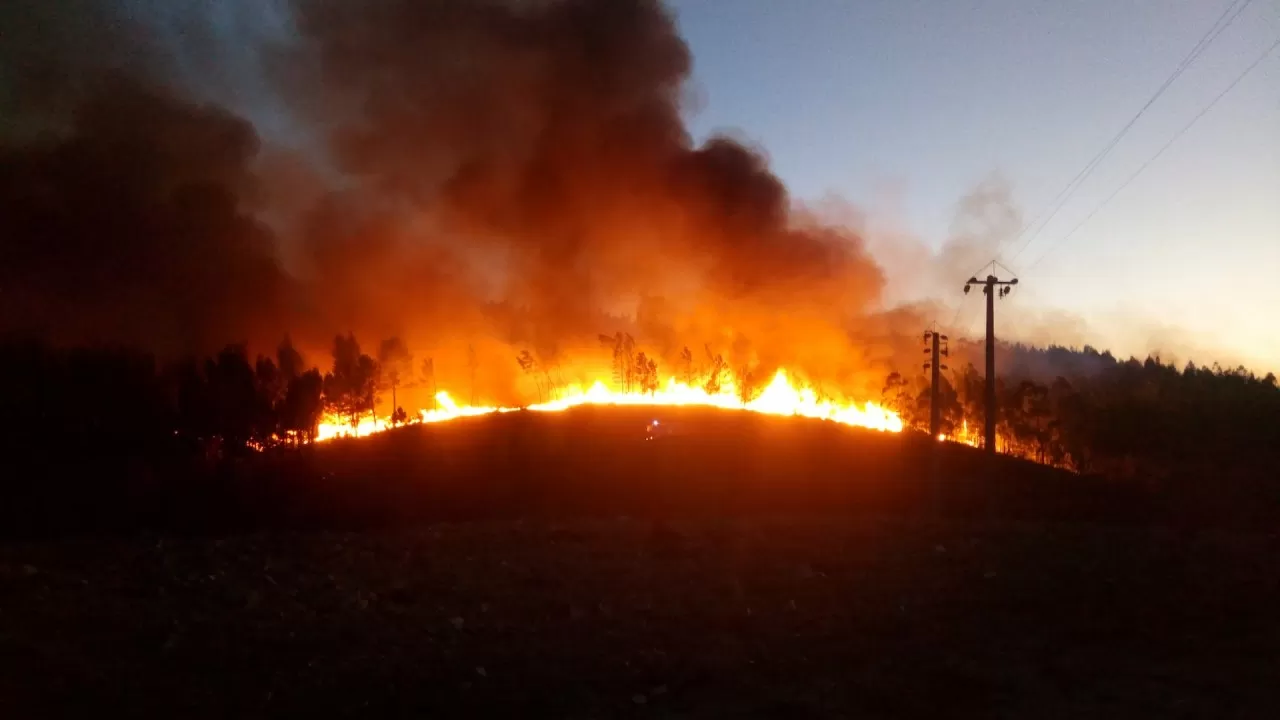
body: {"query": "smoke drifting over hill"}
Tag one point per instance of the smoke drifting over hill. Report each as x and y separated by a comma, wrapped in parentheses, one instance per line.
(475, 176)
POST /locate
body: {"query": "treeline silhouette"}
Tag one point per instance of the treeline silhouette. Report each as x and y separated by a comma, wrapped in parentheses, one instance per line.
(110, 436)
(100, 437)
(1208, 432)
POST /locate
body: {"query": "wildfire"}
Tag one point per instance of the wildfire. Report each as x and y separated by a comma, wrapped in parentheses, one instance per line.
(780, 397)
(965, 436)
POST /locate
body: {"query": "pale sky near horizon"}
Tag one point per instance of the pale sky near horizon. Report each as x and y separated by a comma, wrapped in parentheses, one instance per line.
(918, 101)
(902, 107)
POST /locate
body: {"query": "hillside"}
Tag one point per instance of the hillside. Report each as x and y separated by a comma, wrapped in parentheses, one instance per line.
(567, 565)
(766, 616)
(600, 462)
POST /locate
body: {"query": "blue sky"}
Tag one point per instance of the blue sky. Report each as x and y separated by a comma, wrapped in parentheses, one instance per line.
(920, 100)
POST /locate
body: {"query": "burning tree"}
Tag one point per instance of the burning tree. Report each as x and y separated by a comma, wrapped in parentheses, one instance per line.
(646, 374)
(428, 379)
(395, 363)
(271, 387)
(686, 366)
(624, 362)
(746, 384)
(295, 394)
(1026, 419)
(971, 392)
(716, 371)
(541, 379)
(350, 388)
(898, 396)
(302, 406)
(241, 413)
(547, 354)
(288, 360)
(950, 409)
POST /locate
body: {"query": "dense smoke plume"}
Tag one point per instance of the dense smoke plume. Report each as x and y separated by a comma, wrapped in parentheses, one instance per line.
(129, 209)
(484, 176)
(540, 146)
(134, 227)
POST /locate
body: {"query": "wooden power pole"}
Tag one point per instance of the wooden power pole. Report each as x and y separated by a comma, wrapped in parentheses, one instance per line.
(990, 287)
(936, 352)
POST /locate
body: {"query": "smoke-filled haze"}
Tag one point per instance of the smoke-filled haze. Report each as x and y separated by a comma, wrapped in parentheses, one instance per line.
(471, 176)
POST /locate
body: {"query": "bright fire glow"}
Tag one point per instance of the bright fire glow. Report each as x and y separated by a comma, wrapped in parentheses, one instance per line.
(780, 397)
(964, 437)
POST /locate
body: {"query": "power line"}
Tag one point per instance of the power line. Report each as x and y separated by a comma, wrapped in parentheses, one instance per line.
(977, 320)
(1002, 266)
(992, 287)
(1064, 195)
(938, 349)
(1052, 246)
(956, 327)
(952, 327)
(1067, 192)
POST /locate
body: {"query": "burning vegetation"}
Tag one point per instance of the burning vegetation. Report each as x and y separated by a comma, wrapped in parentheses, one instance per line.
(484, 180)
(345, 402)
(488, 185)
(779, 397)
(476, 178)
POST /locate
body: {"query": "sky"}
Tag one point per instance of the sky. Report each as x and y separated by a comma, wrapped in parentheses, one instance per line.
(902, 107)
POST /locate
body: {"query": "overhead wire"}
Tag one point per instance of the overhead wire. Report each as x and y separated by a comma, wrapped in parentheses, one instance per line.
(973, 326)
(1218, 27)
(959, 306)
(1002, 266)
(957, 325)
(1064, 195)
(1204, 111)
(1220, 24)
(951, 326)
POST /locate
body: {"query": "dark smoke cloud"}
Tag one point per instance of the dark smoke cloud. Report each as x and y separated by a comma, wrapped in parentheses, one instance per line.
(52, 54)
(487, 174)
(131, 227)
(129, 207)
(545, 141)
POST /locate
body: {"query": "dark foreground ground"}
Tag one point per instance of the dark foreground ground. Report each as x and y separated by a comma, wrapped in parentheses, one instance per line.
(747, 617)
(564, 566)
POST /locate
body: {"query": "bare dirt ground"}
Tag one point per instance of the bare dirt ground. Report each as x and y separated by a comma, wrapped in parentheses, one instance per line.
(758, 616)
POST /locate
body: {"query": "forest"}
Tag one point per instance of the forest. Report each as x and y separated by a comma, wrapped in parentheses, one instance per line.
(101, 427)
(1092, 413)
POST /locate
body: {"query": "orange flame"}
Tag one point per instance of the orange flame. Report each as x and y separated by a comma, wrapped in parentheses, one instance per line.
(780, 397)
(965, 436)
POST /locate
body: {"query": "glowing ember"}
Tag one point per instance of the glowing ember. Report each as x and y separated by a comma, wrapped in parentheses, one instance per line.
(779, 398)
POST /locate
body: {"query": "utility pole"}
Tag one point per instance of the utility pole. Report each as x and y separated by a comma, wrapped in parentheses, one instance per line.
(990, 287)
(935, 364)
